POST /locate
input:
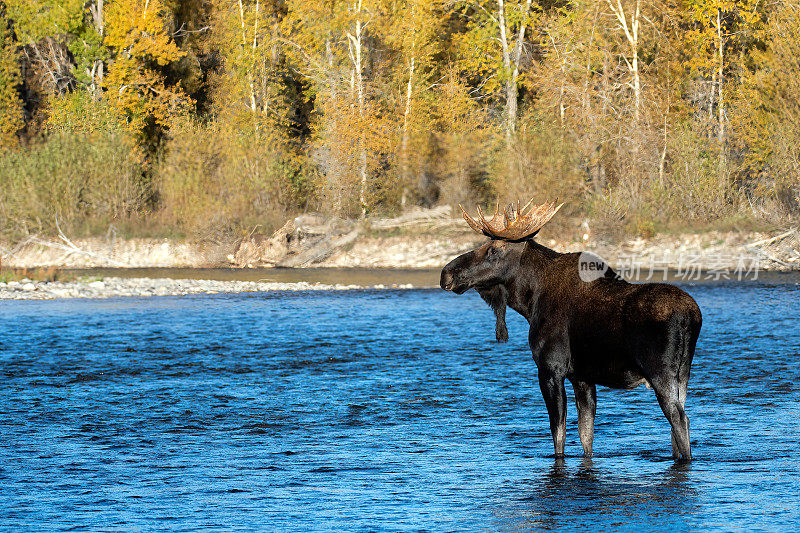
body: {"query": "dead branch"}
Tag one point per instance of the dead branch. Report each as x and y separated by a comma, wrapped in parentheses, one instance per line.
(20, 245)
(69, 247)
(771, 240)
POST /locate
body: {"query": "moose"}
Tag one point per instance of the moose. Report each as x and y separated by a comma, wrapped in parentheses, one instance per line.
(590, 330)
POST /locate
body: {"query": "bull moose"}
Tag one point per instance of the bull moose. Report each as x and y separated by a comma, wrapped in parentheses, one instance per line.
(603, 331)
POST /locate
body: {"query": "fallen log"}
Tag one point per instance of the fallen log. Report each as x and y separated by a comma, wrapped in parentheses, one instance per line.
(771, 240)
(320, 251)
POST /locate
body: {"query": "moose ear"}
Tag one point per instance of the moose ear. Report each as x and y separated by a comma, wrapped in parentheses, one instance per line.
(496, 297)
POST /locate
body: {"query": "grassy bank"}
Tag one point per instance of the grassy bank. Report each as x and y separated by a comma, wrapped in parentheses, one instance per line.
(212, 185)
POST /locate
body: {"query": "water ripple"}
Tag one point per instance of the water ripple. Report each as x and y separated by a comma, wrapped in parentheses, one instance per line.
(375, 411)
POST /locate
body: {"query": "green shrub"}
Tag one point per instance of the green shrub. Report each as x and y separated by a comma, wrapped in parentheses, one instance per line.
(693, 188)
(72, 177)
(214, 183)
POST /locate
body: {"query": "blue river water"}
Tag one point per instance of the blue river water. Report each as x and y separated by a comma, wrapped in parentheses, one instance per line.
(376, 411)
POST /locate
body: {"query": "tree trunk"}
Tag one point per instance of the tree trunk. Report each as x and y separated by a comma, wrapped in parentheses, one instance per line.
(96, 10)
(244, 46)
(637, 86)
(334, 175)
(564, 55)
(561, 107)
(511, 67)
(711, 95)
(511, 90)
(720, 82)
(253, 61)
(632, 35)
(101, 30)
(721, 110)
(663, 155)
(355, 45)
(406, 112)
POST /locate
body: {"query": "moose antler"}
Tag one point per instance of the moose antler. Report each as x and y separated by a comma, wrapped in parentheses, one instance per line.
(513, 224)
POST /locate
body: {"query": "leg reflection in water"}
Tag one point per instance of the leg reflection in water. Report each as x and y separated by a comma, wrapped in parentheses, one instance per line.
(598, 494)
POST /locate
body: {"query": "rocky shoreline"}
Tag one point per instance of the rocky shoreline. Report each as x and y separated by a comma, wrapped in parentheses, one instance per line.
(307, 242)
(113, 287)
(779, 251)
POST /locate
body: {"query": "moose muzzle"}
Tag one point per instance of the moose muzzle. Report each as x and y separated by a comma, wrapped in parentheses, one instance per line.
(446, 281)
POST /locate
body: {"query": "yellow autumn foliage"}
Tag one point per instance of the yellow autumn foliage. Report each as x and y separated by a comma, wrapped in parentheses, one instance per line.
(138, 31)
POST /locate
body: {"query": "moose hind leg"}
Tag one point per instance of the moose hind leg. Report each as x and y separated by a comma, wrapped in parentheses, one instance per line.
(682, 385)
(669, 398)
(586, 400)
(555, 397)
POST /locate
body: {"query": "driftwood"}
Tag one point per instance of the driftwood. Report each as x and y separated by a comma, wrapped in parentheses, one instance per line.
(320, 251)
(434, 217)
(771, 240)
(65, 245)
(72, 249)
(301, 241)
(311, 238)
(20, 245)
(776, 244)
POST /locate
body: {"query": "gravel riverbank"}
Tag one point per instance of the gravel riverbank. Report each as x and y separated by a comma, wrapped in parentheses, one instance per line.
(114, 287)
(779, 251)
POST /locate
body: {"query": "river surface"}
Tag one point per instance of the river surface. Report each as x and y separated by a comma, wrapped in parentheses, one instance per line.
(367, 410)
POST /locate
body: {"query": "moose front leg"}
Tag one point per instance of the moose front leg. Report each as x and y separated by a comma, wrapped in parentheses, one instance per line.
(586, 400)
(555, 397)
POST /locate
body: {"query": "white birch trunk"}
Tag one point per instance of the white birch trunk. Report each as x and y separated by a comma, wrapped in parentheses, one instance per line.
(96, 10)
(253, 60)
(711, 95)
(244, 47)
(720, 82)
(511, 66)
(101, 28)
(334, 162)
(357, 79)
(631, 31)
(406, 113)
(721, 109)
(501, 20)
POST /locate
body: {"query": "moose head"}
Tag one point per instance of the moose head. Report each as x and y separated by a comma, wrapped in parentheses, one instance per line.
(488, 268)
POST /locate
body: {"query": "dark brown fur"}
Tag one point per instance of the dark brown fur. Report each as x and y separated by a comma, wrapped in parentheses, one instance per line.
(603, 332)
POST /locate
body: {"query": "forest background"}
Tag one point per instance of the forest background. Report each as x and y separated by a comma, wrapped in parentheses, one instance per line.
(205, 118)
